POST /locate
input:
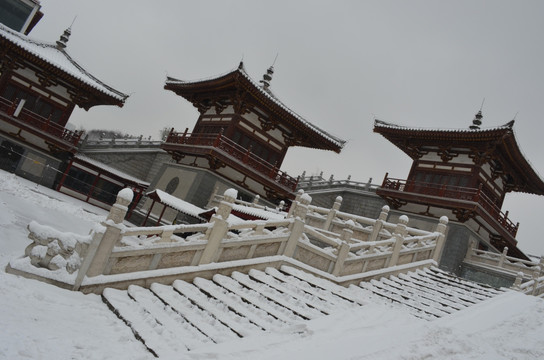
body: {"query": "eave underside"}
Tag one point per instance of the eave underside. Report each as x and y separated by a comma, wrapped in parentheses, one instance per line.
(498, 145)
(235, 89)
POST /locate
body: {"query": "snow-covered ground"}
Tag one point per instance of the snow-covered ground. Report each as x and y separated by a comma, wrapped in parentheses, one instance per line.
(40, 321)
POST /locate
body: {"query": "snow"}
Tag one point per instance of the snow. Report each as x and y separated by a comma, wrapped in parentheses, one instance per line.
(60, 59)
(41, 321)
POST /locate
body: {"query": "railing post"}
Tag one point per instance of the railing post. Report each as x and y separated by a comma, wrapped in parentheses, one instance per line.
(441, 237)
(503, 256)
(385, 179)
(398, 234)
(102, 243)
(220, 227)
(517, 282)
(297, 228)
(332, 213)
(536, 274)
(343, 251)
(294, 203)
(378, 225)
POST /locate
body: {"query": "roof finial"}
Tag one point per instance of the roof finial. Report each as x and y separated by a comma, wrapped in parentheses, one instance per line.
(268, 76)
(477, 118)
(63, 40)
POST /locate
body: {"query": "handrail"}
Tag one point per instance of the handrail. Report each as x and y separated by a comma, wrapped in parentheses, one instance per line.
(226, 145)
(453, 192)
(39, 122)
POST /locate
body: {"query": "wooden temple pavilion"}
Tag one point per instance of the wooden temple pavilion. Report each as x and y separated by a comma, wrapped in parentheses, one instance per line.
(464, 174)
(243, 132)
(40, 85)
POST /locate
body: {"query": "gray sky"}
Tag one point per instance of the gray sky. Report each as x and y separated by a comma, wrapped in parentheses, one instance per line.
(340, 63)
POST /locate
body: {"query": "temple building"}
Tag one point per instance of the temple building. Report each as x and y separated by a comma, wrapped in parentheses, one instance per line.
(240, 140)
(40, 85)
(464, 174)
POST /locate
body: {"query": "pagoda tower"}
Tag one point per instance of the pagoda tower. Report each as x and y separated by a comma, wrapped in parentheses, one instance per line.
(464, 174)
(241, 136)
(40, 85)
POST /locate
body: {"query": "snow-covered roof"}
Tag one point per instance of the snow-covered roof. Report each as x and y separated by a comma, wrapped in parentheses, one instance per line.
(109, 169)
(386, 125)
(260, 213)
(178, 204)
(186, 207)
(266, 92)
(58, 57)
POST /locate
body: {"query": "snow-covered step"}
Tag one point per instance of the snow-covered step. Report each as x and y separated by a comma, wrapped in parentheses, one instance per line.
(308, 299)
(285, 300)
(468, 294)
(239, 324)
(153, 334)
(428, 301)
(186, 334)
(373, 294)
(426, 291)
(334, 301)
(460, 296)
(484, 290)
(237, 305)
(199, 318)
(335, 289)
(472, 290)
(254, 297)
(383, 289)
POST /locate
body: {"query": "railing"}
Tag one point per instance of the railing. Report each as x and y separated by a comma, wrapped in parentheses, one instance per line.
(114, 250)
(38, 122)
(313, 182)
(229, 147)
(453, 192)
(501, 261)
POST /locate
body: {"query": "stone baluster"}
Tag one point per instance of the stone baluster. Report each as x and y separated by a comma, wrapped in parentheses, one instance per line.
(378, 225)
(102, 243)
(441, 237)
(256, 199)
(343, 251)
(503, 256)
(332, 213)
(536, 274)
(471, 247)
(399, 234)
(294, 203)
(219, 228)
(517, 282)
(297, 228)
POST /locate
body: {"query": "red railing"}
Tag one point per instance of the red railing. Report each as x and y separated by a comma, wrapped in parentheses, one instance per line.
(38, 122)
(229, 147)
(453, 192)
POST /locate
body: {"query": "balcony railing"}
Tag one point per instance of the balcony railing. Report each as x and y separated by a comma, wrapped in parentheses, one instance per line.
(454, 192)
(242, 155)
(39, 123)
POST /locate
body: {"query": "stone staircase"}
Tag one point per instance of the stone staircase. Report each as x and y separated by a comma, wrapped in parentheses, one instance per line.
(181, 317)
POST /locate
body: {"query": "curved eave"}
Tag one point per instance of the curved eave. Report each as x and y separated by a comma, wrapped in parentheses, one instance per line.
(309, 135)
(525, 179)
(97, 92)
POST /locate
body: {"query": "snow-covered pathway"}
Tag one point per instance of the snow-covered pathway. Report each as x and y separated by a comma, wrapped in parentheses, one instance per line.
(40, 321)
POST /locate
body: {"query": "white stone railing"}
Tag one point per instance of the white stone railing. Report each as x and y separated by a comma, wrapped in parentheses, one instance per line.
(534, 287)
(503, 262)
(112, 248)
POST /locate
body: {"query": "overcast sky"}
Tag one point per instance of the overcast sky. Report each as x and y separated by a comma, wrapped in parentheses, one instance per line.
(340, 64)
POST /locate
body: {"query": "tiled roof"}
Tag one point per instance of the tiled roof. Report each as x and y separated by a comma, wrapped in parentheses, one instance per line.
(383, 124)
(268, 94)
(60, 59)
